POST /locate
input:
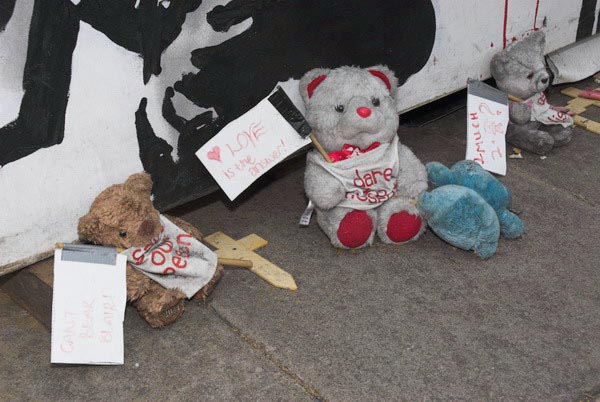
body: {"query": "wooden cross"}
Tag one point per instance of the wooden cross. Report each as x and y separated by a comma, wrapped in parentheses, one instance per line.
(578, 106)
(243, 249)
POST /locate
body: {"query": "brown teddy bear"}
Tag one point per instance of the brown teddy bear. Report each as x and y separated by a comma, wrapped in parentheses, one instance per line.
(123, 216)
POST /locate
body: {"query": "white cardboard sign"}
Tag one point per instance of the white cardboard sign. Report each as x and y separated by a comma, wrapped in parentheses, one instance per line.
(88, 308)
(487, 121)
(248, 147)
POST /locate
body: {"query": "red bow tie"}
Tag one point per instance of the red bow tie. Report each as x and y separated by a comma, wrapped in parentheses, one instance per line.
(349, 151)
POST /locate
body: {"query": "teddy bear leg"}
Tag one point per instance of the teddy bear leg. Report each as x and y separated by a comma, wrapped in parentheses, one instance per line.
(159, 306)
(529, 138)
(399, 221)
(348, 228)
(562, 135)
(486, 249)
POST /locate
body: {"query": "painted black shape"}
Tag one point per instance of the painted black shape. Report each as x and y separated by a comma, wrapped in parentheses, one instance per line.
(147, 30)
(587, 17)
(53, 34)
(46, 78)
(6, 11)
(187, 179)
(286, 39)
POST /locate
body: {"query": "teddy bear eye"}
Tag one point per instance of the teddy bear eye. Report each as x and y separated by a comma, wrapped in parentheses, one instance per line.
(122, 233)
(375, 101)
(339, 108)
(530, 76)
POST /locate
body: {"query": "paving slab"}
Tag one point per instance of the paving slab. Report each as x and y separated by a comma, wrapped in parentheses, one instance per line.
(420, 321)
(424, 320)
(198, 358)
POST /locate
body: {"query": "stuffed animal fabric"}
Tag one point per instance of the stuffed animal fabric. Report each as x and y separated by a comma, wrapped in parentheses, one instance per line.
(123, 216)
(373, 183)
(520, 70)
(469, 207)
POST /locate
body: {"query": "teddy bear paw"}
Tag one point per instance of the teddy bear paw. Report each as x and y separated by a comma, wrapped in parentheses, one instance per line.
(161, 307)
(355, 229)
(403, 226)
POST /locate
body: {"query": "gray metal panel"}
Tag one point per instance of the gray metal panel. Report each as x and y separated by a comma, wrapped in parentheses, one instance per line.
(483, 90)
(89, 253)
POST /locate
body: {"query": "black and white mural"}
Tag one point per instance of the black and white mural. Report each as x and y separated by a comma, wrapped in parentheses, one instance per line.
(94, 90)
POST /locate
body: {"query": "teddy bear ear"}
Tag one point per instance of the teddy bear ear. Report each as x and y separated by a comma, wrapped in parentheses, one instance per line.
(539, 40)
(387, 77)
(88, 226)
(139, 182)
(498, 64)
(311, 81)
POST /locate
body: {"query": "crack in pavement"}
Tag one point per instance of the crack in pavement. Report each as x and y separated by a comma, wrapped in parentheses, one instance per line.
(258, 346)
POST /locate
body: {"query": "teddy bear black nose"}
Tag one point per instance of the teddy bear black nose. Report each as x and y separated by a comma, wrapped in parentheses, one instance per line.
(363, 112)
(544, 80)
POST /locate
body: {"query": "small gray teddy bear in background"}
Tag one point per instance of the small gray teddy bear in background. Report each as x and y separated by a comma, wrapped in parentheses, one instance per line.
(374, 181)
(520, 70)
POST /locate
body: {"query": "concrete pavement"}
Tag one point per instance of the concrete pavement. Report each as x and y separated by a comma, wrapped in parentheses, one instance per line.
(421, 321)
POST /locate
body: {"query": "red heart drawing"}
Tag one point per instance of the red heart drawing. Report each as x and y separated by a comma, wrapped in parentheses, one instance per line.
(214, 154)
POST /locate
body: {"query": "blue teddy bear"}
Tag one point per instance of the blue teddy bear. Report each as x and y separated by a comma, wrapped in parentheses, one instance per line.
(469, 208)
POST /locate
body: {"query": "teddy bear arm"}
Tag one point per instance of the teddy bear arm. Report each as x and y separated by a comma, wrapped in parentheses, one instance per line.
(412, 177)
(324, 190)
(519, 113)
(137, 283)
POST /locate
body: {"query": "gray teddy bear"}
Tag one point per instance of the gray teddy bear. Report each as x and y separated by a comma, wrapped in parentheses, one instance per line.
(373, 181)
(520, 70)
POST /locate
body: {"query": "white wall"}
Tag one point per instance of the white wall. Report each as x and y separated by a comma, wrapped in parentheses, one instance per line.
(43, 195)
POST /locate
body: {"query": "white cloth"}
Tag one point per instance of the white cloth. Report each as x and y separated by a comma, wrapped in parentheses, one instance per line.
(542, 112)
(176, 260)
(369, 178)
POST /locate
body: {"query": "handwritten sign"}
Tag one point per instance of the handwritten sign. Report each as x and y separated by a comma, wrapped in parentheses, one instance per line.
(487, 121)
(248, 147)
(88, 308)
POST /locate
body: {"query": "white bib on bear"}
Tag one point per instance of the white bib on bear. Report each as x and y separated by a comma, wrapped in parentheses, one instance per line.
(542, 112)
(369, 178)
(175, 259)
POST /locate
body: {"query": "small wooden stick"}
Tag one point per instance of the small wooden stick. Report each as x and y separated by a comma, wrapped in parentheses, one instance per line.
(230, 262)
(515, 99)
(320, 148)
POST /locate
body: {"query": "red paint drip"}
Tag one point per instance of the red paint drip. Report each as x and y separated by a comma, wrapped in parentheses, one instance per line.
(491, 44)
(434, 60)
(537, 6)
(505, 22)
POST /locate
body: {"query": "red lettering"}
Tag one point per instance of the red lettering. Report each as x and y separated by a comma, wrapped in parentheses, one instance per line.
(168, 245)
(474, 116)
(161, 260)
(387, 174)
(139, 258)
(169, 270)
(182, 236)
(358, 181)
(375, 173)
(177, 261)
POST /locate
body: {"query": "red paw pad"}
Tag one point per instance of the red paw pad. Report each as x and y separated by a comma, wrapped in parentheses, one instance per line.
(355, 229)
(403, 226)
